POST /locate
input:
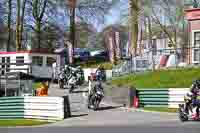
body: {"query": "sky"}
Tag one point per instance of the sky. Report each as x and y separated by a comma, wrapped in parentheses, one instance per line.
(115, 15)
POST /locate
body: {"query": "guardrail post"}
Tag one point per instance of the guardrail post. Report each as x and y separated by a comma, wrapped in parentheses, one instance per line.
(67, 110)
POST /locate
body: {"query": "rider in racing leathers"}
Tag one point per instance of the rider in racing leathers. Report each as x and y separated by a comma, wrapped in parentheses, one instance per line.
(93, 90)
(195, 91)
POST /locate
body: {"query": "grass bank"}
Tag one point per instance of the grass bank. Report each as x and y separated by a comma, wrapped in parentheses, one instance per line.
(21, 122)
(179, 78)
(160, 109)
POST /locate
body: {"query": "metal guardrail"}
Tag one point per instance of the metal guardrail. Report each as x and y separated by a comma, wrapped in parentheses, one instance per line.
(163, 97)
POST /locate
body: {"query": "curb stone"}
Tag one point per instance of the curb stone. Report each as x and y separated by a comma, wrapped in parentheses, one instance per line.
(146, 111)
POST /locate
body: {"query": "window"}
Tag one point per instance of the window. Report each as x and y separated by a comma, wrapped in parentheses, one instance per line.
(196, 55)
(37, 60)
(50, 61)
(141, 63)
(197, 39)
(19, 60)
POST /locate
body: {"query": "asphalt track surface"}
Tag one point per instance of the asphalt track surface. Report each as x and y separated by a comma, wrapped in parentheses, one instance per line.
(111, 118)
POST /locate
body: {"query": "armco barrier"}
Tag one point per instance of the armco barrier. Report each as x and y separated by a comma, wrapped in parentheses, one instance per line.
(166, 97)
(46, 108)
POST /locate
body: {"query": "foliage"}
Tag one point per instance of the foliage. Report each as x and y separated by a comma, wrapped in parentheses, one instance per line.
(161, 109)
(180, 78)
(37, 85)
(21, 122)
(95, 64)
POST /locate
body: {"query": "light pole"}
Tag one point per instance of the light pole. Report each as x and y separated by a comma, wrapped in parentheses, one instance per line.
(72, 11)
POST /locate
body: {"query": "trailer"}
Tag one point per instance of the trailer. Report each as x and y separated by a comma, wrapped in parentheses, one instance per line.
(37, 63)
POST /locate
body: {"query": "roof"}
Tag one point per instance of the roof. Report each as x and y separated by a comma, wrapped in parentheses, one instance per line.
(19, 75)
(37, 51)
(192, 14)
(192, 10)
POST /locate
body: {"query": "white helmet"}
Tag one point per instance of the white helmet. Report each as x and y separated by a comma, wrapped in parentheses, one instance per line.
(189, 94)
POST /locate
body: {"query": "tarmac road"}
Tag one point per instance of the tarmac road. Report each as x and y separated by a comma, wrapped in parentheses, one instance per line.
(110, 118)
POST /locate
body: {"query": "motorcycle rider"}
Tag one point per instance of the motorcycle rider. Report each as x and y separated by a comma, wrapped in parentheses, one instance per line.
(195, 97)
(97, 86)
(188, 102)
(99, 73)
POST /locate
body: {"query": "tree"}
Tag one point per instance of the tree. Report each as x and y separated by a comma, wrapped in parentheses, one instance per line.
(20, 23)
(195, 4)
(88, 11)
(83, 32)
(39, 8)
(9, 24)
(133, 21)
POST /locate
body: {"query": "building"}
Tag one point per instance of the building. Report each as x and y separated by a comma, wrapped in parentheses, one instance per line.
(38, 63)
(193, 17)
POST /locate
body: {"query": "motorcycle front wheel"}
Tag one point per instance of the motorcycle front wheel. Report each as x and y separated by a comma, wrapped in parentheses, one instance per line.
(71, 88)
(182, 116)
(61, 84)
(96, 105)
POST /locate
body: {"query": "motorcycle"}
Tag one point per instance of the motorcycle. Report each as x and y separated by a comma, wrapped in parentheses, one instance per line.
(61, 79)
(186, 114)
(95, 99)
(80, 75)
(72, 82)
(70, 77)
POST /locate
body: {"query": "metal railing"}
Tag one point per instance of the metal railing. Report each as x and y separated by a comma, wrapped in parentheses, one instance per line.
(149, 59)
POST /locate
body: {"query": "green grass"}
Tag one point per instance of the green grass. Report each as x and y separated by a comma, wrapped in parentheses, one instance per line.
(21, 122)
(180, 78)
(105, 65)
(160, 109)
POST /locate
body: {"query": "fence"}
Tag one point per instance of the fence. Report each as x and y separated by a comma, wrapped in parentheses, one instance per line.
(148, 59)
(166, 97)
(46, 108)
(88, 71)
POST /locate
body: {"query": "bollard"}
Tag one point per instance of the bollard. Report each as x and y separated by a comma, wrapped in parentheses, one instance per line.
(67, 110)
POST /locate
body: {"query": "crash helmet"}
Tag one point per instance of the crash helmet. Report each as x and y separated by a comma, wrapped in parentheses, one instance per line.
(197, 83)
(189, 94)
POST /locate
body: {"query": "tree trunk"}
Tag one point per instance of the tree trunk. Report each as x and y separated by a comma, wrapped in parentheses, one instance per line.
(134, 12)
(38, 32)
(9, 24)
(22, 21)
(72, 30)
(38, 15)
(17, 39)
(150, 43)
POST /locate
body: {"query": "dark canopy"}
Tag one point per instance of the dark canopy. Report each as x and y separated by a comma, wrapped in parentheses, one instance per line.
(19, 76)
